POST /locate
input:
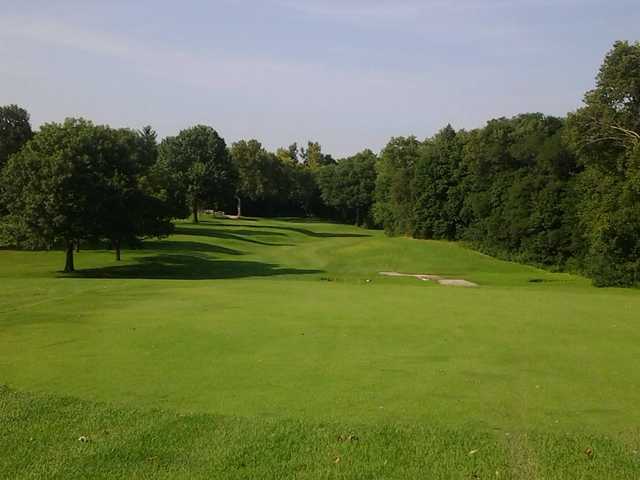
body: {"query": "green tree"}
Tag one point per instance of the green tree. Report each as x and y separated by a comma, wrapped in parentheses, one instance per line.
(147, 148)
(289, 155)
(394, 196)
(53, 187)
(313, 158)
(516, 181)
(15, 131)
(257, 171)
(132, 206)
(77, 181)
(349, 186)
(303, 192)
(197, 168)
(437, 179)
(297, 185)
(605, 134)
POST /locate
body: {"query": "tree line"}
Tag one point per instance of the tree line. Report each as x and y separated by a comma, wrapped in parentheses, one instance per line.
(558, 192)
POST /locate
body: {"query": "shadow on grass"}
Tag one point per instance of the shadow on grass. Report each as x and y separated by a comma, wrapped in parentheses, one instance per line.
(240, 236)
(207, 224)
(303, 231)
(189, 267)
(311, 233)
(301, 219)
(186, 246)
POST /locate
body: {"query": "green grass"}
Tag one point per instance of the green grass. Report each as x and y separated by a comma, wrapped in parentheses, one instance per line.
(41, 439)
(243, 349)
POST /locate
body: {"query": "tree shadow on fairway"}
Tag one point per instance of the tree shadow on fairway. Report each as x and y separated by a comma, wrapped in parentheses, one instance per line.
(189, 267)
(249, 231)
(300, 219)
(186, 246)
(240, 236)
(303, 231)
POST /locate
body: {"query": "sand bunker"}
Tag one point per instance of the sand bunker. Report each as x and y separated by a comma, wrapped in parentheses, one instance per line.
(453, 282)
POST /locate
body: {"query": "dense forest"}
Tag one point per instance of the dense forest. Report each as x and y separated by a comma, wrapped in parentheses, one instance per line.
(557, 192)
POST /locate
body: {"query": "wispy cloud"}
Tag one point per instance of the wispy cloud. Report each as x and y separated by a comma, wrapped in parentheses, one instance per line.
(394, 11)
(477, 18)
(254, 76)
(356, 10)
(214, 70)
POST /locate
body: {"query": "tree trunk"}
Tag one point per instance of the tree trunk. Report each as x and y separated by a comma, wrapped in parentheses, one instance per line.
(68, 266)
(358, 216)
(239, 208)
(195, 211)
(116, 245)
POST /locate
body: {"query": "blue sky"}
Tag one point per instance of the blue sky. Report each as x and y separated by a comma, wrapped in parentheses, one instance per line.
(349, 74)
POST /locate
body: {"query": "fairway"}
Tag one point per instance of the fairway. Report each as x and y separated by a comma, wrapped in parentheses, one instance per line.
(279, 322)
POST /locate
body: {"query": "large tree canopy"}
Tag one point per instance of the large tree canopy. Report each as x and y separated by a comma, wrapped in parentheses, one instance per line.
(198, 169)
(132, 202)
(533, 187)
(438, 200)
(54, 187)
(258, 172)
(394, 195)
(505, 188)
(348, 186)
(605, 134)
(77, 181)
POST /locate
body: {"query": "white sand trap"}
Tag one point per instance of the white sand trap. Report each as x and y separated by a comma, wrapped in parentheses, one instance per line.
(452, 282)
(456, 282)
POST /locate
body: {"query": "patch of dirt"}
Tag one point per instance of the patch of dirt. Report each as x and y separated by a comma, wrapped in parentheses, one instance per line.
(452, 282)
